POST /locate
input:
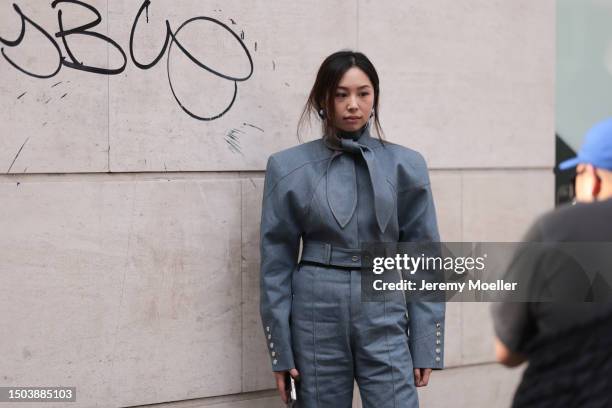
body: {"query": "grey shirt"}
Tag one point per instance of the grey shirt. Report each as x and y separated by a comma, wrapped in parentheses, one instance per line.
(520, 324)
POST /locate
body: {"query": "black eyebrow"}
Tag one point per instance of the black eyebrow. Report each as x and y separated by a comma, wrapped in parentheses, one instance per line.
(362, 86)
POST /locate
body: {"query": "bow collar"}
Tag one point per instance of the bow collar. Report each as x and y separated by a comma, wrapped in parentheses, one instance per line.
(341, 178)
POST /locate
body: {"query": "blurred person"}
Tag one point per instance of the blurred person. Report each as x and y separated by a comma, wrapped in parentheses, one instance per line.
(567, 342)
(593, 165)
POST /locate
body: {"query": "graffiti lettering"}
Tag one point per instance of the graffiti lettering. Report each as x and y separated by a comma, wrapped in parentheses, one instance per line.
(70, 60)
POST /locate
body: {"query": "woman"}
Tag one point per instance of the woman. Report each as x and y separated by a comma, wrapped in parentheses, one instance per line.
(334, 194)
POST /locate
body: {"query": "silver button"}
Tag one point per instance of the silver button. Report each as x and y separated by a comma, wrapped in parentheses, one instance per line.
(355, 258)
(438, 341)
(437, 358)
(267, 328)
(269, 336)
(438, 334)
(438, 325)
(273, 353)
(438, 350)
(271, 345)
(275, 361)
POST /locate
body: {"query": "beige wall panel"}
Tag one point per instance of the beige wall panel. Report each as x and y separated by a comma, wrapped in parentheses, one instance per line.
(477, 335)
(261, 399)
(257, 370)
(499, 206)
(498, 97)
(446, 188)
(478, 386)
(129, 291)
(466, 83)
(263, 402)
(148, 128)
(453, 338)
(57, 124)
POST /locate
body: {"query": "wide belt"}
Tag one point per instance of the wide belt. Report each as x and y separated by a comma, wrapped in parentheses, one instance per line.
(323, 253)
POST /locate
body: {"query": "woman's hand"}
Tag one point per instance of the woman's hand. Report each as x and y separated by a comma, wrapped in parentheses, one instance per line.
(280, 377)
(421, 376)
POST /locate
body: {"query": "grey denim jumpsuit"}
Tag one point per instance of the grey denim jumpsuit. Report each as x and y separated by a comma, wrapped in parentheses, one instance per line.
(311, 309)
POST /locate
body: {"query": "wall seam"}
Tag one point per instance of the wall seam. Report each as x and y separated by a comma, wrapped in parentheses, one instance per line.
(108, 90)
(461, 204)
(248, 173)
(357, 31)
(242, 387)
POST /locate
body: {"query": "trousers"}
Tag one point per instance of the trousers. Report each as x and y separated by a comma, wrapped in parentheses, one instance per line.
(337, 339)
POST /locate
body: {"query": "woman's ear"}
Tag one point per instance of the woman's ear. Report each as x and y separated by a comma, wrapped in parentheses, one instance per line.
(322, 110)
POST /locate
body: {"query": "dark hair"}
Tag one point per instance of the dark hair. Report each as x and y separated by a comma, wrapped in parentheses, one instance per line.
(323, 91)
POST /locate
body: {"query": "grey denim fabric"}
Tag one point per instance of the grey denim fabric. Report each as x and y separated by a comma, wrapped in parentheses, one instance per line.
(312, 315)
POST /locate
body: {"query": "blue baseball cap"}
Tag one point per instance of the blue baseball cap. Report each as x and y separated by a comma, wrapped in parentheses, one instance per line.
(596, 149)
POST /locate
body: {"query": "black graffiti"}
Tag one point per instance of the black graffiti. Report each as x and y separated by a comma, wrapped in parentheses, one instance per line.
(15, 43)
(70, 60)
(84, 30)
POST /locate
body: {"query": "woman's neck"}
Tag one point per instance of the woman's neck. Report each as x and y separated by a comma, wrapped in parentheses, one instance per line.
(355, 134)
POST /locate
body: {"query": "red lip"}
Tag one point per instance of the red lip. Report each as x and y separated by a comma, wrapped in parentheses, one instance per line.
(352, 118)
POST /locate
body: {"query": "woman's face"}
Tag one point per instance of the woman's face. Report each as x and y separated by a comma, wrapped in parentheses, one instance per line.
(353, 101)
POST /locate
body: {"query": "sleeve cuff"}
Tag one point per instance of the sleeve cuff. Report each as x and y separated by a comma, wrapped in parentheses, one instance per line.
(428, 351)
(279, 351)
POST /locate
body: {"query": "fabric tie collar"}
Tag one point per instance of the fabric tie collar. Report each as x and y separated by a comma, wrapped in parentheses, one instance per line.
(341, 180)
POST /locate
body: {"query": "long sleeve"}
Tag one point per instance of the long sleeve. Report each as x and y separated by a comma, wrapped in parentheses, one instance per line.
(417, 219)
(280, 235)
(514, 322)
